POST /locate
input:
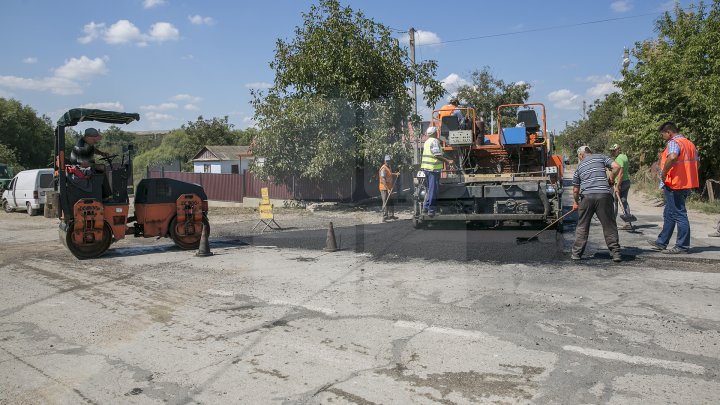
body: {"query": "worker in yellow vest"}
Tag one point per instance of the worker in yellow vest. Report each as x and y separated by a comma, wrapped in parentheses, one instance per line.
(432, 165)
(679, 174)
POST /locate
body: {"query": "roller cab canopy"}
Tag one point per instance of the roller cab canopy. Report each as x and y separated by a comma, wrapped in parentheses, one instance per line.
(76, 115)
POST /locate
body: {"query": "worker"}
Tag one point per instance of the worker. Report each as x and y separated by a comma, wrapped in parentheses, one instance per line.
(679, 174)
(83, 154)
(387, 184)
(622, 186)
(592, 195)
(452, 110)
(432, 165)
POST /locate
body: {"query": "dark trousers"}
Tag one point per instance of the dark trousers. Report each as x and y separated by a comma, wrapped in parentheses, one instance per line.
(433, 186)
(602, 205)
(624, 191)
(389, 202)
(675, 214)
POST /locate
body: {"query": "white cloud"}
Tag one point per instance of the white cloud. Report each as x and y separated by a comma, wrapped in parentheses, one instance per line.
(154, 116)
(453, 82)
(596, 79)
(30, 60)
(163, 31)
(108, 105)
(191, 107)
(200, 20)
(160, 107)
(188, 57)
(55, 85)
(187, 97)
(423, 38)
(258, 85)
(565, 99)
(82, 68)
(92, 32)
(520, 83)
(601, 89)
(124, 32)
(621, 6)
(152, 3)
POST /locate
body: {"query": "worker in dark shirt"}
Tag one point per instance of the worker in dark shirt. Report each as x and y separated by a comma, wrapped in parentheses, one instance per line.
(83, 154)
(84, 150)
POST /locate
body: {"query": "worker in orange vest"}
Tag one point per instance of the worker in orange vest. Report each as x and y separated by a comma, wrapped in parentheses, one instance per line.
(451, 109)
(387, 185)
(679, 174)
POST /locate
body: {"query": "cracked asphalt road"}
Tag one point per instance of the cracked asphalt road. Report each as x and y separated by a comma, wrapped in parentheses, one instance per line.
(436, 316)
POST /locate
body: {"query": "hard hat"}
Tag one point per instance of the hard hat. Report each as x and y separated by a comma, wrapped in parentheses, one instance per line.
(388, 157)
(431, 131)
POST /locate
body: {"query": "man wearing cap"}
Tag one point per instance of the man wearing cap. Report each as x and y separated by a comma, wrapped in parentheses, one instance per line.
(387, 185)
(451, 109)
(622, 185)
(592, 195)
(84, 150)
(432, 165)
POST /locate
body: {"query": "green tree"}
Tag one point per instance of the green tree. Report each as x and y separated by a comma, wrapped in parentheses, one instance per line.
(7, 157)
(30, 136)
(486, 93)
(597, 130)
(677, 78)
(171, 148)
(339, 96)
(114, 140)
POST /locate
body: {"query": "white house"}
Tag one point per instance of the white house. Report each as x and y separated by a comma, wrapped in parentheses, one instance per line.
(222, 159)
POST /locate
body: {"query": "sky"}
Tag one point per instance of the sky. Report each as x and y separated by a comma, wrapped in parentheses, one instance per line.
(174, 60)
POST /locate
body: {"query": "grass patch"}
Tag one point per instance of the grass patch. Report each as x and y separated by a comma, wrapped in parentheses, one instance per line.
(646, 183)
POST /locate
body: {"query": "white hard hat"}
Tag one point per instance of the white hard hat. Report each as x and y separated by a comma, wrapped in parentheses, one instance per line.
(431, 131)
(388, 157)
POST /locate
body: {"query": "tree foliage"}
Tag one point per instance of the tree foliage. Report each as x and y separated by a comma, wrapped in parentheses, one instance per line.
(486, 93)
(596, 131)
(29, 136)
(340, 88)
(677, 78)
(7, 157)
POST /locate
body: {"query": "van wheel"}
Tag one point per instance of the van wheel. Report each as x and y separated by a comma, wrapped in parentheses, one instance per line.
(6, 206)
(32, 212)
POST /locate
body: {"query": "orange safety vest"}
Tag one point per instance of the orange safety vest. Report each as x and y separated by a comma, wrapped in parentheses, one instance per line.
(389, 179)
(684, 173)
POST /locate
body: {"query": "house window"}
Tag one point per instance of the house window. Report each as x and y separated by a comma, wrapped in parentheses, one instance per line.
(206, 168)
(235, 169)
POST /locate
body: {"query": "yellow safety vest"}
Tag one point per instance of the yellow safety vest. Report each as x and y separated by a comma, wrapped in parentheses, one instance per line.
(429, 161)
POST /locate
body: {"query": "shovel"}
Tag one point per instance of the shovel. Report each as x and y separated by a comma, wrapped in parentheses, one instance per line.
(624, 216)
(521, 241)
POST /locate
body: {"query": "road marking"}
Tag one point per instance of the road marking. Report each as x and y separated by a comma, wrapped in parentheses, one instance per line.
(419, 326)
(643, 361)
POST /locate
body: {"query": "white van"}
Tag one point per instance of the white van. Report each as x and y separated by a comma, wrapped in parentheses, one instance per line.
(27, 191)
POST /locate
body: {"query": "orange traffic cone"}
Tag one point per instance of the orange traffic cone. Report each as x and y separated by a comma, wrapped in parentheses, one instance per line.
(330, 245)
(204, 249)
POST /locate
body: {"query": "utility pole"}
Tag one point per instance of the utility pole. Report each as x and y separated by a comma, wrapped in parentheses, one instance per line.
(411, 33)
(584, 109)
(625, 66)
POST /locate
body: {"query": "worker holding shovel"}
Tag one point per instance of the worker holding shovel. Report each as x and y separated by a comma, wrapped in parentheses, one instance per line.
(622, 187)
(387, 185)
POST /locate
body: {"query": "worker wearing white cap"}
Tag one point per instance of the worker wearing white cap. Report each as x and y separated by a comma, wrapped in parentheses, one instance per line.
(432, 163)
(387, 185)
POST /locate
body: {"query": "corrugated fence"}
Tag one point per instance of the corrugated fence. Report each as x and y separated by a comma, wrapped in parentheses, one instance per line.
(235, 187)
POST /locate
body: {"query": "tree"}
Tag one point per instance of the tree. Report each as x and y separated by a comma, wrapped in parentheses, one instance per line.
(596, 131)
(30, 136)
(339, 97)
(7, 157)
(486, 93)
(171, 148)
(677, 78)
(114, 140)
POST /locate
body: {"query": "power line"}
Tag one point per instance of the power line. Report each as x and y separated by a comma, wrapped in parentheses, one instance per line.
(541, 29)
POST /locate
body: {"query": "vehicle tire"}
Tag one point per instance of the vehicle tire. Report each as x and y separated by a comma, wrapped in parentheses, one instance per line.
(6, 206)
(30, 210)
(84, 252)
(191, 242)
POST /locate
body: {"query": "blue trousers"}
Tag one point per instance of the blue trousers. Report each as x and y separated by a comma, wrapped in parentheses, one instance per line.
(674, 215)
(433, 186)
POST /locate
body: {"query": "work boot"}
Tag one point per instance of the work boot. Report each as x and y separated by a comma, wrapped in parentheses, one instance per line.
(676, 251)
(715, 234)
(656, 246)
(616, 257)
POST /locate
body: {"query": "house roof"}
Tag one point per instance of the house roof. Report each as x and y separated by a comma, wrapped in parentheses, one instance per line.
(222, 152)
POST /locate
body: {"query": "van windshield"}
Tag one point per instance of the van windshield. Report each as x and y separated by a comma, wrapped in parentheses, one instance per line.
(46, 180)
(4, 174)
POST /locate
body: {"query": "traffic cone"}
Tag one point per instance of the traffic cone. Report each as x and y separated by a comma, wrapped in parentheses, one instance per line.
(204, 249)
(330, 245)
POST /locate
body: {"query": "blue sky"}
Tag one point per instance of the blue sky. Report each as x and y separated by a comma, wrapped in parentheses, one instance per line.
(173, 60)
